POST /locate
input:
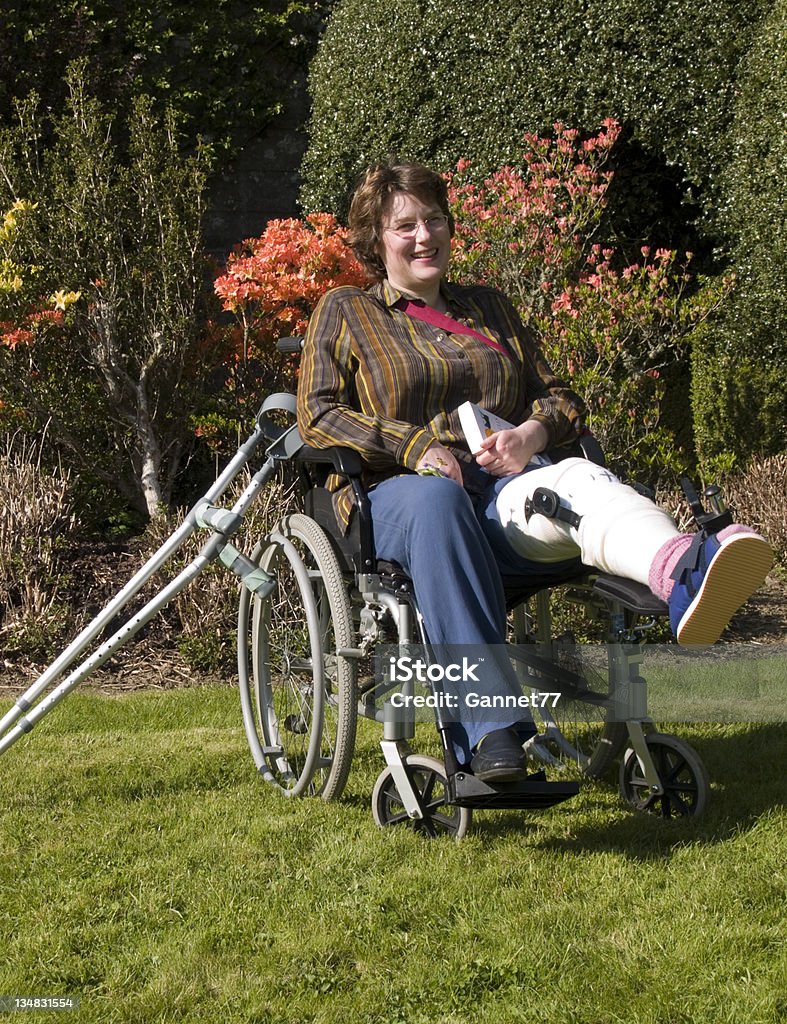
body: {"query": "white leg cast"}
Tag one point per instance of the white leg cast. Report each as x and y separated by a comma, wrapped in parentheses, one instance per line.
(620, 531)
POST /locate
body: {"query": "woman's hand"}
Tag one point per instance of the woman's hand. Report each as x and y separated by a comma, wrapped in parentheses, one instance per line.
(438, 461)
(508, 451)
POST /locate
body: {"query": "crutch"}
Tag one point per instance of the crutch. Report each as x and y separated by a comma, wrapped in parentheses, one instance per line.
(205, 514)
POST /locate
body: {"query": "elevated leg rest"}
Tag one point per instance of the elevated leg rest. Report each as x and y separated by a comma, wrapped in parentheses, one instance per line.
(632, 595)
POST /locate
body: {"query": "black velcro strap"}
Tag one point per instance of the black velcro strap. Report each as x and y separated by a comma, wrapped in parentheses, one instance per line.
(547, 503)
(691, 560)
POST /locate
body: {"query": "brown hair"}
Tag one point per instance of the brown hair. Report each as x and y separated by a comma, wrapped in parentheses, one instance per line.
(371, 200)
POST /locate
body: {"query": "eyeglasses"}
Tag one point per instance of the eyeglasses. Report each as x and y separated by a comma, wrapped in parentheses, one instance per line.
(409, 228)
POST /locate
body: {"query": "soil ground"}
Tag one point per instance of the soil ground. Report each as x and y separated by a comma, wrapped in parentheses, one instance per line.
(154, 660)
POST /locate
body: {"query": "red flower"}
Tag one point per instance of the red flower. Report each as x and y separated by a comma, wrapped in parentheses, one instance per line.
(17, 336)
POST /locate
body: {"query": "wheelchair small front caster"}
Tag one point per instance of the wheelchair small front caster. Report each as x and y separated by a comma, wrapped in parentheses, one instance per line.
(428, 778)
(681, 774)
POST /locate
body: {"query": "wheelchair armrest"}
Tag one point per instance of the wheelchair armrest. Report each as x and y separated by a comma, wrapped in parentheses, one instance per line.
(592, 450)
(583, 447)
(345, 461)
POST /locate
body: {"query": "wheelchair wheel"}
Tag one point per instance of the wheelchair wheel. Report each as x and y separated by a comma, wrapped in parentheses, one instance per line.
(300, 703)
(681, 772)
(439, 818)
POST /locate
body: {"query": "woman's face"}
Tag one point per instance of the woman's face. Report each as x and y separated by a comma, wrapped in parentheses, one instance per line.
(415, 245)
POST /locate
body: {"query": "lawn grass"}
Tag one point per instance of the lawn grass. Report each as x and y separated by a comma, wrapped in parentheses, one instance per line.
(145, 868)
(685, 685)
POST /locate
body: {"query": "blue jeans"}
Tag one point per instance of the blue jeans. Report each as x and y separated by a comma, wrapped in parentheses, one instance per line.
(453, 549)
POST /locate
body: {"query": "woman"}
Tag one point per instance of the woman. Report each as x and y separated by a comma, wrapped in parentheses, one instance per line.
(384, 371)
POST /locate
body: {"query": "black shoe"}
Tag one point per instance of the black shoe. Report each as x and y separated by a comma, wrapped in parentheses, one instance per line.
(499, 757)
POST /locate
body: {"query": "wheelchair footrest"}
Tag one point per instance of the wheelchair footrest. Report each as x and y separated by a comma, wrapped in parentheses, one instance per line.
(465, 790)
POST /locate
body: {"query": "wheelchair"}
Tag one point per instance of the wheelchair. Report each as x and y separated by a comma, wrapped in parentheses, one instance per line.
(316, 605)
(306, 665)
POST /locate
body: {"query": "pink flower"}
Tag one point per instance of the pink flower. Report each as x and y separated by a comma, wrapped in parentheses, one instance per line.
(563, 301)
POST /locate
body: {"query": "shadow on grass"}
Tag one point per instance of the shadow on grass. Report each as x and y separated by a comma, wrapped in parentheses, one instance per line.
(745, 766)
(747, 773)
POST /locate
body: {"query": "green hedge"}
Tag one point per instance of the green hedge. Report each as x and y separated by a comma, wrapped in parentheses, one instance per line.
(440, 79)
(740, 362)
(219, 62)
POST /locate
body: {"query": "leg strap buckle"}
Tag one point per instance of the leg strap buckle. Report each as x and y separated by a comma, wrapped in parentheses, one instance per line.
(547, 503)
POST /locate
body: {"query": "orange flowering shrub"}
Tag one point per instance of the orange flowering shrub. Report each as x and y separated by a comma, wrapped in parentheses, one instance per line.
(272, 283)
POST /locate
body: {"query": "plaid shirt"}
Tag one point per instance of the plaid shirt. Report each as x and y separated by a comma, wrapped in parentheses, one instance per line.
(376, 380)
